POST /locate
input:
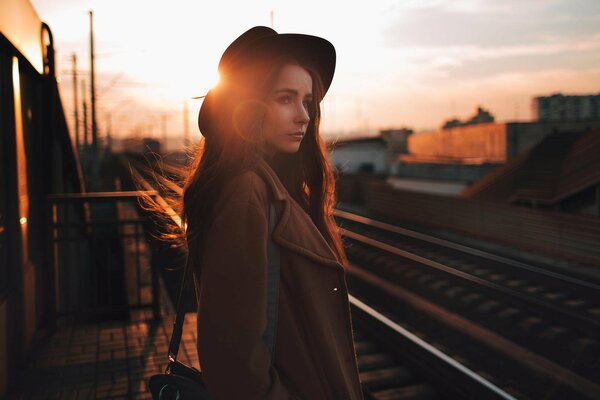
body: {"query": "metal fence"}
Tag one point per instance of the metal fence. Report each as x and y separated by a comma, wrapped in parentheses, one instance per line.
(102, 260)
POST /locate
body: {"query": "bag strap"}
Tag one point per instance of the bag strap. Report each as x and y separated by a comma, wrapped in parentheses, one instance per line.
(272, 296)
(273, 286)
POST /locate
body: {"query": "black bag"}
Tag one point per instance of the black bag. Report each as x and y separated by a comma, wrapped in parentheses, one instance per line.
(180, 381)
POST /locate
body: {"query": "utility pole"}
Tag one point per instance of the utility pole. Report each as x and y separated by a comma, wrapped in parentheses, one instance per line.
(85, 151)
(75, 102)
(108, 133)
(272, 17)
(85, 132)
(95, 164)
(93, 86)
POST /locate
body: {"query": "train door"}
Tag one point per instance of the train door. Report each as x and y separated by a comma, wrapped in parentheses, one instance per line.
(17, 287)
(12, 295)
(4, 263)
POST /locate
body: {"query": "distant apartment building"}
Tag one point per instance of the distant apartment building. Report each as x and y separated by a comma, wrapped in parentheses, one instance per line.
(559, 107)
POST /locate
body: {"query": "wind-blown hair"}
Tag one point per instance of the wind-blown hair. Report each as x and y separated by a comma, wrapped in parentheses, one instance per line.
(233, 146)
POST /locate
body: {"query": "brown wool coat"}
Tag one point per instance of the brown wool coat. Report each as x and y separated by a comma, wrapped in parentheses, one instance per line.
(314, 350)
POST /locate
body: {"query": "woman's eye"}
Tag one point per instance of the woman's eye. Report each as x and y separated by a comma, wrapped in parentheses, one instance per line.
(307, 104)
(285, 100)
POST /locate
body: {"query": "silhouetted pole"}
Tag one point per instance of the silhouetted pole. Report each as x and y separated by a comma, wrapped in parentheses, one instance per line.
(85, 153)
(95, 171)
(186, 130)
(93, 85)
(75, 102)
(85, 132)
(108, 134)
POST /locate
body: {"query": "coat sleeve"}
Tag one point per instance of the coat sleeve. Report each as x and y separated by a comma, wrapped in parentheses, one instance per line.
(232, 316)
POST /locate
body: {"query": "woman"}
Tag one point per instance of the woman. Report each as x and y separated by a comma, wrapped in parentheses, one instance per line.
(262, 147)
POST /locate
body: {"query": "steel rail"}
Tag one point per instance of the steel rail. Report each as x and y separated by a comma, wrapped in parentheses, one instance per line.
(424, 346)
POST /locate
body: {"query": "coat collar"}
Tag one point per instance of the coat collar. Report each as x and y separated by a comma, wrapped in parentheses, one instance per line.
(295, 230)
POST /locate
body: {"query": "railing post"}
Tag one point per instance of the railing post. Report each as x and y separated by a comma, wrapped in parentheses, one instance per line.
(155, 291)
(49, 269)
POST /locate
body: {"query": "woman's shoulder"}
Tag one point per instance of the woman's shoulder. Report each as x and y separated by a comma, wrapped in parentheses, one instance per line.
(246, 187)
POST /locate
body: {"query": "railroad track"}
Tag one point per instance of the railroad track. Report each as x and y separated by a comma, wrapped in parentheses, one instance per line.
(393, 362)
(532, 332)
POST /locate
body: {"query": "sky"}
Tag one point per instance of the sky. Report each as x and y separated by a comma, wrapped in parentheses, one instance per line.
(405, 63)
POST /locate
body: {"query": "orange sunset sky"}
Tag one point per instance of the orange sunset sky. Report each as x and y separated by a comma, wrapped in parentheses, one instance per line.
(400, 63)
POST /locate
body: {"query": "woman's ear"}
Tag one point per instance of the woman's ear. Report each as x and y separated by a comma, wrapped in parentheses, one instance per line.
(248, 120)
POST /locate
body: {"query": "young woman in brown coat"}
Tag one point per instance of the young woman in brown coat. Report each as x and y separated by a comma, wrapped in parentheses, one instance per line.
(262, 146)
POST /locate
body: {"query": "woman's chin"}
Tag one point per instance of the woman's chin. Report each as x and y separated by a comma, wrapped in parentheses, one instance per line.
(291, 149)
(281, 147)
(288, 148)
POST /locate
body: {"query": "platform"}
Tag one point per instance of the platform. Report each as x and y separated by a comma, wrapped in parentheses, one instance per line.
(110, 360)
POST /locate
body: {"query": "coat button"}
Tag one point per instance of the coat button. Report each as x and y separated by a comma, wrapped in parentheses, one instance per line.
(335, 289)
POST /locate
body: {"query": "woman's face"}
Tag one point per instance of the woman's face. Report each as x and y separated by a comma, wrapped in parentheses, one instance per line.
(287, 110)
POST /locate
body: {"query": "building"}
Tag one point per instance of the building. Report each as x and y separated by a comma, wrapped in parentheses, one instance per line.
(361, 154)
(559, 107)
(482, 116)
(462, 155)
(448, 160)
(484, 143)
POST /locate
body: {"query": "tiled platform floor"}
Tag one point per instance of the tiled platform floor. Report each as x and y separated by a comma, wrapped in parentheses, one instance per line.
(110, 360)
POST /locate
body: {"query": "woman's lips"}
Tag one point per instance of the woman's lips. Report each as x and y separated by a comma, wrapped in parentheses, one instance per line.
(297, 135)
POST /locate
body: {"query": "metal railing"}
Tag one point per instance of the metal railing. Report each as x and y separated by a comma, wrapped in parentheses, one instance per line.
(102, 261)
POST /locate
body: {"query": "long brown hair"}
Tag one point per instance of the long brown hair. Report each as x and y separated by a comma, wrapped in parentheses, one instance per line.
(235, 148)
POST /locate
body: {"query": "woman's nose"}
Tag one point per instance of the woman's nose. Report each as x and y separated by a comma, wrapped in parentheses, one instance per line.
(302, 116)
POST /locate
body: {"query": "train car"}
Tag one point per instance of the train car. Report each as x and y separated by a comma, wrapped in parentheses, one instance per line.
(36, 159)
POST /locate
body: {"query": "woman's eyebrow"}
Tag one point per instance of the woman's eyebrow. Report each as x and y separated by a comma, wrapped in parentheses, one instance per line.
(292, 91)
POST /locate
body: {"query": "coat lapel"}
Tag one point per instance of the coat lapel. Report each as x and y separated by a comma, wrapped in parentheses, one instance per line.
(295, 230)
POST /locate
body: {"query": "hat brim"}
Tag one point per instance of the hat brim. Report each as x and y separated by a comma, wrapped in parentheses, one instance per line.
(313, 51)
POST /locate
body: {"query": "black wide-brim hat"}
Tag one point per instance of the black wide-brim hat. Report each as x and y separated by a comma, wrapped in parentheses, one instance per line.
(260, 41)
